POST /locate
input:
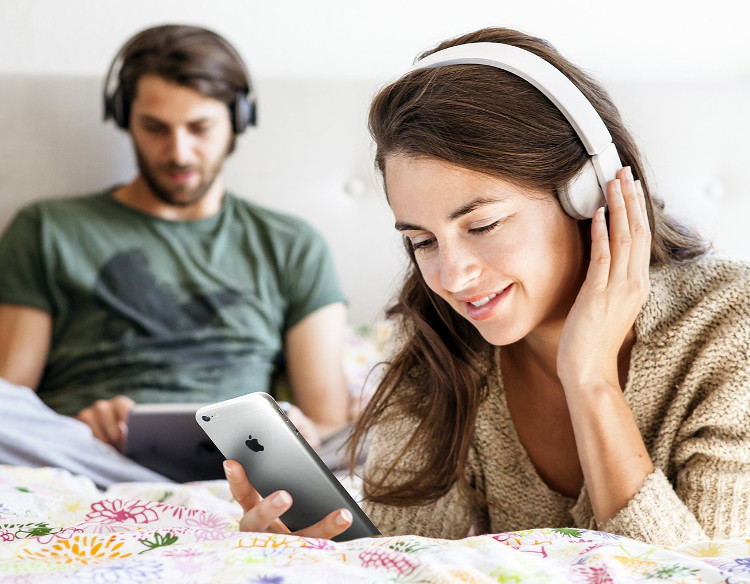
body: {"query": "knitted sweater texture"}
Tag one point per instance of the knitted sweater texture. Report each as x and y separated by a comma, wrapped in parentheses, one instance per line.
(689, 389)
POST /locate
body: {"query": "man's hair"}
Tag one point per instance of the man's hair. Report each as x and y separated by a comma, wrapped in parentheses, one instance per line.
(191, 56)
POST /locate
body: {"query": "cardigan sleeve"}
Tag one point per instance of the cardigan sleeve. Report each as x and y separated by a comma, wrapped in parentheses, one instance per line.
(656, 515)
(451, 516)
(710, 501)
(707, 494)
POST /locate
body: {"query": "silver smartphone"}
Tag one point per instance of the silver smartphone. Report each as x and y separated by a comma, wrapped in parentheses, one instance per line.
(253, 430)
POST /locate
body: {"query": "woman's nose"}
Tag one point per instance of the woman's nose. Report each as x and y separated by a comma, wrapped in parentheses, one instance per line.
(458, 268)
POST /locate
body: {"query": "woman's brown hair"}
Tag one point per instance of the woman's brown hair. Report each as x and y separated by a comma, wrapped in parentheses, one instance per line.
(490, 121)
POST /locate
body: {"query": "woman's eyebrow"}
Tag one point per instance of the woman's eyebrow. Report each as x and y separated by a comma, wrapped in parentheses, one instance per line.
(473, 205)
(403, 226)
(457, 214)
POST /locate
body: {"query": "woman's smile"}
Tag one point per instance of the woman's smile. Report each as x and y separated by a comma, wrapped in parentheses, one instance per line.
(487, 306)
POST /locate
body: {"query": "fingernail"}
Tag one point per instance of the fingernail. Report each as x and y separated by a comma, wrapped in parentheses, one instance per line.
(227, 469)
(628, 173)
(281, 499)
(618, 186)
(344, 517)
(600, 214)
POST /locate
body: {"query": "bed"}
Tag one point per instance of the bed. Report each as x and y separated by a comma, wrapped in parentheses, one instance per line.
(57, 527)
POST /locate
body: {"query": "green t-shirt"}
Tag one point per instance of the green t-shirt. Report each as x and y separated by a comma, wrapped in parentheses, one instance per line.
(162, 311)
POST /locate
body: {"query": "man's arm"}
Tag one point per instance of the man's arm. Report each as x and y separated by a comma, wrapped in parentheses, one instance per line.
(314, 354)
(25, 337)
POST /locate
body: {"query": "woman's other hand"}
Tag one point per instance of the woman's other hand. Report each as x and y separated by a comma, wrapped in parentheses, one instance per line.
(615, 289)
(263, 514)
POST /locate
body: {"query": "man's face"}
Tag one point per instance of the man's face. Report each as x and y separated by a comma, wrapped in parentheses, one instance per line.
(181, 139)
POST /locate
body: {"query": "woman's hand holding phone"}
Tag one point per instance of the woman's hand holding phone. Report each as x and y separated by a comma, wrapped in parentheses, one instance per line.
(262, 514)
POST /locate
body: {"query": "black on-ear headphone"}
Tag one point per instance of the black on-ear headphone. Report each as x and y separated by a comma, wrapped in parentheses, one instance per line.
(242, 109)
(584, 194)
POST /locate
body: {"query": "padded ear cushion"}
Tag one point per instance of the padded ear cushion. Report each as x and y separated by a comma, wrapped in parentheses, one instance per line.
(582, 196)
(117, 109)
(242, 111)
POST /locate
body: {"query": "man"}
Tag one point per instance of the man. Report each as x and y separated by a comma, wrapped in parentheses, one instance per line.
(168, 288)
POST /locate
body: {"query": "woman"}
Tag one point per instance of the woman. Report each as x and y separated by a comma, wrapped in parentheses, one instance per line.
(554, 371)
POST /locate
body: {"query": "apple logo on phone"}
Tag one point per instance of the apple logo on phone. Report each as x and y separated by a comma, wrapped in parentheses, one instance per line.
(253, 444)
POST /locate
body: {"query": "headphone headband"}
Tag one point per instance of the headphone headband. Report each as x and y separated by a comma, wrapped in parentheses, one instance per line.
(563, 93)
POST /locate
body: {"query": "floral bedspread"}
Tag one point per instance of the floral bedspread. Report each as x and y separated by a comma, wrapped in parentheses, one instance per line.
(56, 527)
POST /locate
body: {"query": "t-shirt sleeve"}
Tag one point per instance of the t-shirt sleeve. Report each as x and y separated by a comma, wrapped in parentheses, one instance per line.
(23, 279)
(311, 278)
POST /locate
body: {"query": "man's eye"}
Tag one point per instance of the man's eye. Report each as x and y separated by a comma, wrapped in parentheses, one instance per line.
(200, 129)
(155, 129)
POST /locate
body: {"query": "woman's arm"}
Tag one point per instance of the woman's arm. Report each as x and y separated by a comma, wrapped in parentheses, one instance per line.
(701, 489)
(612, 454)
(703, 443)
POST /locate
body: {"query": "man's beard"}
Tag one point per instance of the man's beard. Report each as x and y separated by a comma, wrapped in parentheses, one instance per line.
(180, 196)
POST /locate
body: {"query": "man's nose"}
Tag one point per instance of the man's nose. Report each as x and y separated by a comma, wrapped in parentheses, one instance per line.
(180, 146)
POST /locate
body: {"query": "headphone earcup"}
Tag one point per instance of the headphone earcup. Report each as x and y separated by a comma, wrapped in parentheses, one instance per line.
(115, 108)
(582, 195)
(242, 111)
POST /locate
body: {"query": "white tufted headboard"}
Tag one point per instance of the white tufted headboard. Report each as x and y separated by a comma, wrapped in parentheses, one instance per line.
(311, 156)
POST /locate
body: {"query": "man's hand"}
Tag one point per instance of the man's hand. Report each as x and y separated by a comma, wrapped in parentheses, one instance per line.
(108, 419)
(304, 424)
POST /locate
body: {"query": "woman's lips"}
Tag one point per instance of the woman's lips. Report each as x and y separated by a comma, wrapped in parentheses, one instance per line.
(487, 305)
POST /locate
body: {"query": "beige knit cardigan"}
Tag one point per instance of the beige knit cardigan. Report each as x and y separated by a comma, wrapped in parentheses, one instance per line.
(689, 389)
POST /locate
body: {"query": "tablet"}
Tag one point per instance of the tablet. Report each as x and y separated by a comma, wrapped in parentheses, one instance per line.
(254, 431)
(166, 439)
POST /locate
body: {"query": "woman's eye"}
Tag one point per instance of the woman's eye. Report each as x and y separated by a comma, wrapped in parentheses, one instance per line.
(486, 228)
(422, 244)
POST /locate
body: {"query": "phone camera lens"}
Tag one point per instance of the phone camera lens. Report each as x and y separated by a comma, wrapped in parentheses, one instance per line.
(206, 418)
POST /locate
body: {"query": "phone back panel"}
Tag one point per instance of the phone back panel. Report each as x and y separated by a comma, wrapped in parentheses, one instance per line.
(253, 430)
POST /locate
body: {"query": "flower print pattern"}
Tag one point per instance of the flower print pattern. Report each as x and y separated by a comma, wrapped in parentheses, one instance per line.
(143, 572)
(62, 532)
(81, 549)
(7, 535)
(119, 511)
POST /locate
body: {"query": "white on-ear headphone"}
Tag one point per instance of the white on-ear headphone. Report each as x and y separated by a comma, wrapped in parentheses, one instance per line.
(583, 194)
